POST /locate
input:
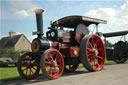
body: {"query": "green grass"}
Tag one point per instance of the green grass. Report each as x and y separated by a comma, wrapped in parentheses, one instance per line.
(8, 73)
(11, 73)
(107, 62)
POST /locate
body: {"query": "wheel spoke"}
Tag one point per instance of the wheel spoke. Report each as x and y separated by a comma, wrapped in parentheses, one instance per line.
(91, 58)
(56, 59)
(89, 49)
(99, 57)
(95, 45)
(24, 63)
(24, 69)
(48, 63)
(92, 40)
(55, 70)
(31, 70)
(96, 41)
(47, 59)
(89, 54)
(90, 45)
(93, 63)
(99, 49)
(50, 70)
(58, 65)
(51, 57)
(34, 68)
(97, 62)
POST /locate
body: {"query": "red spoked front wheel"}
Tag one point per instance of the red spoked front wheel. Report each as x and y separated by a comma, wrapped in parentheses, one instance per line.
(92, 52)
(28, 65)
(52, 64)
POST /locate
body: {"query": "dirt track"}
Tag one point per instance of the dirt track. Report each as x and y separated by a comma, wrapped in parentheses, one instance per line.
(113, 74)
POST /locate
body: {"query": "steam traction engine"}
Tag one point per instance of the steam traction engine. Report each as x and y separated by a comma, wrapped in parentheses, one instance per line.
(118, 52)
(66, 45)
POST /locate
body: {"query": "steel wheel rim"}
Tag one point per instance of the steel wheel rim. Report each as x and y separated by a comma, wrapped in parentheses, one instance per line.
(53, 64)
(95, 52)
(29, 67)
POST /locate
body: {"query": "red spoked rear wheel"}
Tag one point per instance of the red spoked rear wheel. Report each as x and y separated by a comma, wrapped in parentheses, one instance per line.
(52, 64)
(28, 65)
(92, 52)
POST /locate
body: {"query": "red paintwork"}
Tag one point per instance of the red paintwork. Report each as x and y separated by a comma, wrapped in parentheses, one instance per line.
(69, 51)
(79, 38)
(37, 48)
(66, 49)
(53, 44)
(72, 49)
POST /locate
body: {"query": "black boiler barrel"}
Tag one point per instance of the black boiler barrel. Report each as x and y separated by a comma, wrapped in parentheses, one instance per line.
(42, 45)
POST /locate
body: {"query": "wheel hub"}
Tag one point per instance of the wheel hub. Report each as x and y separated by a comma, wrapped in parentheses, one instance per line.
(55, 65)
(29, 65)
(95, 52)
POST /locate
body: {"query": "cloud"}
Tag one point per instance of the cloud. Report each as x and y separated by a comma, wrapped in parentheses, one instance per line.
(25, 8)
(22, 12)
(107, 12)
(116, 18)
(23, 4)
(17, 9)
(28, 12)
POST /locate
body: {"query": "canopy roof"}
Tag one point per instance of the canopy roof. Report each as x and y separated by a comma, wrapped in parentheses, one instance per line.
(73, 21)
(114, 34)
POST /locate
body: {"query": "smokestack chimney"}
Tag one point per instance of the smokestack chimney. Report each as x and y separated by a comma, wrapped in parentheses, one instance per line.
(39, 22)
(11, 33)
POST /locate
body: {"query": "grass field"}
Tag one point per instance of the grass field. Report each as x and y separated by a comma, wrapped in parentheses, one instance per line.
(11, 73)
(8, 73)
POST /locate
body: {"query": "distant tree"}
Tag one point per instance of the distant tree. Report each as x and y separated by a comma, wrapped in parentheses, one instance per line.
(11, 53)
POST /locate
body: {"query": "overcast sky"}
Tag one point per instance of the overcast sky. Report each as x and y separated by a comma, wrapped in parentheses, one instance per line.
(18, 15)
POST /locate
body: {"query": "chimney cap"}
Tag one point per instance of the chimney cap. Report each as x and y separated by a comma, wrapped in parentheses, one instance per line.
(12, 33)
(39, 11)
(11, 30)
